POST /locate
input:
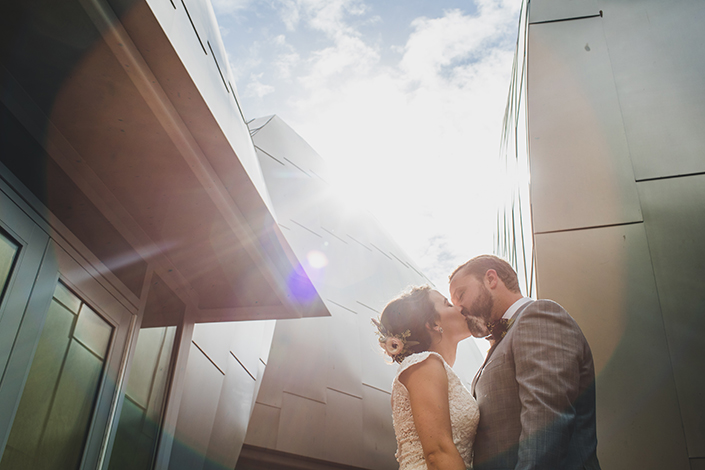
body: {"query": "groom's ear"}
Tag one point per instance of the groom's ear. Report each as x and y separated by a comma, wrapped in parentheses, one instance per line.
(491, 279)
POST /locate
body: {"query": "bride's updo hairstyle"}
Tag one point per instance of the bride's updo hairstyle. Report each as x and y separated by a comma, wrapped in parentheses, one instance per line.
(402, 326)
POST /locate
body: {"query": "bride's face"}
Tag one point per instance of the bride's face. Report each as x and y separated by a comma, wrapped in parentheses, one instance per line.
(451, 317)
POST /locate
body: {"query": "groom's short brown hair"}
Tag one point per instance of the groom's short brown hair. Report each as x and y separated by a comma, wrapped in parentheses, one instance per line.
(479, 265)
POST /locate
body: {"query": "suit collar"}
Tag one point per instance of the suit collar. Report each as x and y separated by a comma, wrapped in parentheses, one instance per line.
(515, 307)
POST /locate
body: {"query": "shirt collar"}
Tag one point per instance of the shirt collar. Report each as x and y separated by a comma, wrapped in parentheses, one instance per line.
(515, 307)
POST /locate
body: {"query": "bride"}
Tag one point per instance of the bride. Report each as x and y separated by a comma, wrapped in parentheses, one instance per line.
(435, 416)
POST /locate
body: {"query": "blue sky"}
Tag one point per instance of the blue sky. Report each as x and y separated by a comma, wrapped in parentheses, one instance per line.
(403, 98)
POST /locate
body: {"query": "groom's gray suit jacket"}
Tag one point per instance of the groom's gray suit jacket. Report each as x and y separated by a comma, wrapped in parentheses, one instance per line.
(536, 393)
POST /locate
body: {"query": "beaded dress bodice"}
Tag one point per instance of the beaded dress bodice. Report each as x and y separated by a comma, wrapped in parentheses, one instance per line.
(464, 417)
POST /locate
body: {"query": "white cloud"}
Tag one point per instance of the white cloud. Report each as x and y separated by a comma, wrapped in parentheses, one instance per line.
(245, 66)
(452, 40)
(256, 88)
(422, 138)
(287, 58)
(347, 49)
(327, 16)
(416, 141)
(349, 55)
(289, 13)
(230, 6)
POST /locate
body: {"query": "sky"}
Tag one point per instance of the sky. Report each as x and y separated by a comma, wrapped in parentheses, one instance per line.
(403, 98)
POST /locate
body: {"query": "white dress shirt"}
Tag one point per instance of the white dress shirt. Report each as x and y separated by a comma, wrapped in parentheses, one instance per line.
(515, 307)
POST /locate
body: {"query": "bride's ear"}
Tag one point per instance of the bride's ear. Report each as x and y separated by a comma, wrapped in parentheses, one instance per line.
(433, 326)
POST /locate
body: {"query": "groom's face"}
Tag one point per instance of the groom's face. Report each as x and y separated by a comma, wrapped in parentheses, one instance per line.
(473, 297)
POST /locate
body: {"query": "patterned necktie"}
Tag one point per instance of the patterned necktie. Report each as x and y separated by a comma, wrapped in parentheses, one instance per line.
(498, 329)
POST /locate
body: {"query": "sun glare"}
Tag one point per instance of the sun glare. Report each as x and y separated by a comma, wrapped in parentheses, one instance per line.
(316, 259)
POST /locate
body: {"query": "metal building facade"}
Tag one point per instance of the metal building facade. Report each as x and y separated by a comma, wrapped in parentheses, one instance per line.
(133, 217)
(614, 108)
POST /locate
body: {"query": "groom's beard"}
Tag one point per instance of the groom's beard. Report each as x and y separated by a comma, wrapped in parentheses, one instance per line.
(480, 313)
(477, 326)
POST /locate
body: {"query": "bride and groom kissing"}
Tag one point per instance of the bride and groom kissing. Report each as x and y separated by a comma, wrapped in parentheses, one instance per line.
(532, 403)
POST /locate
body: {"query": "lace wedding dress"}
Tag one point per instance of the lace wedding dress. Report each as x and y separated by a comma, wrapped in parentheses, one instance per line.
(464, 416)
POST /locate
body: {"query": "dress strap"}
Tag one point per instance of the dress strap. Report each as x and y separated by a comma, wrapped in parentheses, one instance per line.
(417, 358)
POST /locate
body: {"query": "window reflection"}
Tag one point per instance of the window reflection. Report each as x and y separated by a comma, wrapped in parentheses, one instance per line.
(8, 253)
(138, 431)
(50, 428)
(140, 419)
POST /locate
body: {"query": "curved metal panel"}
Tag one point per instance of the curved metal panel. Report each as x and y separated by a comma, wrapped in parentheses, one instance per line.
(278, 139)
(246, 342)
(343, 429)
(302, 425)
(604, 278)
(581, 174)
(379, 443)
(345, 362)
(674, 217)
(552, 10)
(230, 425)
(264, 422)
(214, 339)
(656, 52)
(296, 359)
(199, 404)
(193, 31)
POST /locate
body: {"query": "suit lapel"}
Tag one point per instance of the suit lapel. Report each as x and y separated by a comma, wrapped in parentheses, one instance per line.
(494, 346)
(479, 372)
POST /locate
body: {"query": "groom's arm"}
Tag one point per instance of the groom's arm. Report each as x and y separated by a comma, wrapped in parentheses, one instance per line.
(547, 346)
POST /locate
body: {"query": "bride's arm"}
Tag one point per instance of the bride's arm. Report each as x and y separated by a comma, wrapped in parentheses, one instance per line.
(427, 383)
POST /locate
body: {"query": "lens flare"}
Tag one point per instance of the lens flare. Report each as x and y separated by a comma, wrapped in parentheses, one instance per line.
(316, 259)
(300, 286)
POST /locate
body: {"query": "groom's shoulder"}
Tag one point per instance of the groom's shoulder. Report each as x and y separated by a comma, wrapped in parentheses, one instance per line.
(548, 305)
(545, 308)
(543, 305)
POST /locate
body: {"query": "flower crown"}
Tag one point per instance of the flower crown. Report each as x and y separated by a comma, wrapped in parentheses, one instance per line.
(396, 346)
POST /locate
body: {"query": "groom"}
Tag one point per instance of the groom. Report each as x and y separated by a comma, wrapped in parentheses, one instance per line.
(536, 389)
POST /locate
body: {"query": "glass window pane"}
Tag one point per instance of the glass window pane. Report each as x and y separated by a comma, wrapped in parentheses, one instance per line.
(63, 295)
(46, 368)
(140, 419)
(93, 331)
(54, 414)
(65, 431)
(8, 253)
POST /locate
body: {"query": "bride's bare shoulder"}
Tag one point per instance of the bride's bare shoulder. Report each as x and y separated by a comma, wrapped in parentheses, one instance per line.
(429, 368)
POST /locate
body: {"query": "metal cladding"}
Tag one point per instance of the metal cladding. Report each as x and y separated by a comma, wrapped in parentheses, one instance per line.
(613, 94)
